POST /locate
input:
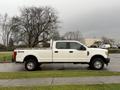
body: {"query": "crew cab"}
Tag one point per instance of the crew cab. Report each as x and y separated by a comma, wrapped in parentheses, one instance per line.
(62, 51)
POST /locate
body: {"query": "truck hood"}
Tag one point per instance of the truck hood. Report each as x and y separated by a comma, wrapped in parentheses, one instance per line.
(97, 49)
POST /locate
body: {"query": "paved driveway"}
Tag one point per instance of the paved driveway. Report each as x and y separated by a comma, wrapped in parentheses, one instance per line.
(113, 66)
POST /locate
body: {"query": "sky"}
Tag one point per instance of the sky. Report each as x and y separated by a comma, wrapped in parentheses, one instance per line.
(93, 18)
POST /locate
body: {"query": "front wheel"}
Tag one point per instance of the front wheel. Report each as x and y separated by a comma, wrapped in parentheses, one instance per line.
(30, 65)
(97, 64)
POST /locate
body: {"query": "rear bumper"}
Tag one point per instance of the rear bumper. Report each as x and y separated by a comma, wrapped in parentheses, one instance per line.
(107, 60)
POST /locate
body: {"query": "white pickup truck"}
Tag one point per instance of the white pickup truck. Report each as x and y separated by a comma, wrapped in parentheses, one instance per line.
(62, 51)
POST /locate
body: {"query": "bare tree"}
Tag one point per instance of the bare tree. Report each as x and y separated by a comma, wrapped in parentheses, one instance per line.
(106, 40)
(11, 43)
(16, 31)
(55, 35)
(35, 24)
(74, 35)
(5, 26)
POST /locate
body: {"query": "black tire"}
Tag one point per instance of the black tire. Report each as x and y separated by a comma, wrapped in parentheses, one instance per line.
(97, 64)
(38, 66)
(31, 65)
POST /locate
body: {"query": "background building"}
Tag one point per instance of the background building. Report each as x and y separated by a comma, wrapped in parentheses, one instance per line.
(91, 41)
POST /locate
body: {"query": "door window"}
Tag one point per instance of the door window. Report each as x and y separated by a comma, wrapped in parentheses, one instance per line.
(61, 45)
(77, 46)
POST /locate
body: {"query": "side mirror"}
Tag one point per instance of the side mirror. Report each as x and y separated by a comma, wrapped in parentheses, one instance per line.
(82, 48)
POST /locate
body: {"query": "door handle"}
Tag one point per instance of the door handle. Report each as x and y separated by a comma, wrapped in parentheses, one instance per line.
(56, 51)
(70, 51)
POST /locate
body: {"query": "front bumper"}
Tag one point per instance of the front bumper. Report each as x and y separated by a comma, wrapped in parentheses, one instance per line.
(107, 60)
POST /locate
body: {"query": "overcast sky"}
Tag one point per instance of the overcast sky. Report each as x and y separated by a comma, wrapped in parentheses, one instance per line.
(94, 18)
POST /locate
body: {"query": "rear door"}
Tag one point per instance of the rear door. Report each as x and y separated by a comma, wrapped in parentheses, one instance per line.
(61, 52)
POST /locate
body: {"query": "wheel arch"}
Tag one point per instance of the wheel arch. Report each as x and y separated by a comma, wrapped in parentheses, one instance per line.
(97, 56)
(30, 56)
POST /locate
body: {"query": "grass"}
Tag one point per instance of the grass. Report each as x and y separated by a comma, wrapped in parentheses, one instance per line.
(5, 56)
(67, 87)
(56, 73)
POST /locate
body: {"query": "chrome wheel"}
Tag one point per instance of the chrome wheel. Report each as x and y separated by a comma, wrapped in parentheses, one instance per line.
(97, 64)
(30, 65)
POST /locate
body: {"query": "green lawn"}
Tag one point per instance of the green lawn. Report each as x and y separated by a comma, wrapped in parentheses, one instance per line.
(67, 87)
(56, 73)
(5, 56)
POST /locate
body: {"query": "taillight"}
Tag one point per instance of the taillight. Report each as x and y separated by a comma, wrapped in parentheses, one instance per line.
(14, 55)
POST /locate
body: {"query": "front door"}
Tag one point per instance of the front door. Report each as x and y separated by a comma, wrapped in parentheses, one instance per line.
(79, 52)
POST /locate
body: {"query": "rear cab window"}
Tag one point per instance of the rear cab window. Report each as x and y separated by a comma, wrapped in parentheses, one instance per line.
(62, 45)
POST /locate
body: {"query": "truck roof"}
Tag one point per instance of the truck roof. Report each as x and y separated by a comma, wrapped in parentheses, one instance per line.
(67, 41)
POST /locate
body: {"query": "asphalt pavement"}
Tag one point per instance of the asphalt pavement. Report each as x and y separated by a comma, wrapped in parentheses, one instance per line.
(60, 81)
(114, 65)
